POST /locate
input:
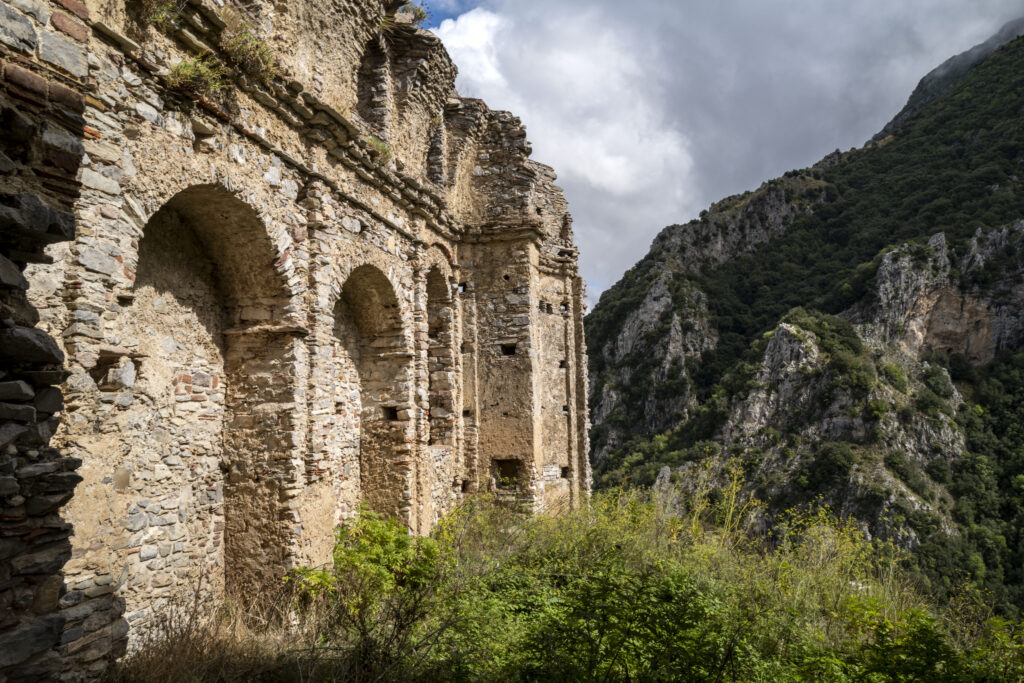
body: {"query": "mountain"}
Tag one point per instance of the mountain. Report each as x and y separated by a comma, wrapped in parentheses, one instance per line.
(944, 77)
(849, 333)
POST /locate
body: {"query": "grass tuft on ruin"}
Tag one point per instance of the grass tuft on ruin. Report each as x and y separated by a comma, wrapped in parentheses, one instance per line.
(202, 75)
(379, 148)
(246, 49)
(162, 14)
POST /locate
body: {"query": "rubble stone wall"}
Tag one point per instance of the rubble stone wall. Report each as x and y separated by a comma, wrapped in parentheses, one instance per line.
(336, 285)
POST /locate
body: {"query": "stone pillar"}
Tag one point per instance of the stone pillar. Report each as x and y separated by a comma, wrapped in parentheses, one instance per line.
(35, 481)
(41, 130)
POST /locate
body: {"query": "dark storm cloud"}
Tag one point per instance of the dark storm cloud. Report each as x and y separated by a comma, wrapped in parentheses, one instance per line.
(652, 110)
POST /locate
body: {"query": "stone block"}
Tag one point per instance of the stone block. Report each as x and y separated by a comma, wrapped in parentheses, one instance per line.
(59, 51)
(16, 30)
(46, 560)
(10, 432)
(42, 505)
(34, 8)
(96, 260)
(39, 635)
(136, 522)
(59, 139)
(16, 391)
(147, 112)
(45, 377)
(10, 274)
(29, 345)
(26, 214)
(100, 182)
(17, 412)
(60, 481)
(49, 400)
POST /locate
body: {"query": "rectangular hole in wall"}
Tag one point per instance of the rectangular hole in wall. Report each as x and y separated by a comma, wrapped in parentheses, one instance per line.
(465, 485)
(467, 413)
(563, 364)
(506, 473)
(390, 413)
(462, 287)
(550, 308)
(565, 410)
(563, 308)
(508, 349)
(565, 473)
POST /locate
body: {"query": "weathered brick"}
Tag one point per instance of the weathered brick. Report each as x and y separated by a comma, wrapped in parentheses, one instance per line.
(68, 97)
(66, 24)
(75, 7)
(26, 80)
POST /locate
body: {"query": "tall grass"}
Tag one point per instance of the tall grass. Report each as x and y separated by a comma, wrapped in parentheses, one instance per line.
(655, 585)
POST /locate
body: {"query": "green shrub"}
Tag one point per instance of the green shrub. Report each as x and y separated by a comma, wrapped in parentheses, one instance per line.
(419, 11)
(929, 403)
(659, 585)
(830, 466)
(894, 375)
(876, 409)
(937, 380)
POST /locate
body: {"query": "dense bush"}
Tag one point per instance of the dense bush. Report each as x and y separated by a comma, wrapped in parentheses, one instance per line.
(652, 586)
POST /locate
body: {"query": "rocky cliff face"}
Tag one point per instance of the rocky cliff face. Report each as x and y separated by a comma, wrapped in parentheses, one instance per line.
(924, 304)
(661, 320)
(849, 333)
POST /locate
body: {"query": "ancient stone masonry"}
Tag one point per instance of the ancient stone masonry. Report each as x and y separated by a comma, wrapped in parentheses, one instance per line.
(336, 285)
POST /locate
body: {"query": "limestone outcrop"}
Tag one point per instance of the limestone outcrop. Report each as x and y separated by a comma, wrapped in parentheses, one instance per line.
(334, 283)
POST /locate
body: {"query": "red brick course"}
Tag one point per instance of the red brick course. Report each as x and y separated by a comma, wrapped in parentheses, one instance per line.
(75, 7)
(26, 80)
(66, 24)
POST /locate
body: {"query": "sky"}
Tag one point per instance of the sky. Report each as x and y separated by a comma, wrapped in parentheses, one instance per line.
(650, 110)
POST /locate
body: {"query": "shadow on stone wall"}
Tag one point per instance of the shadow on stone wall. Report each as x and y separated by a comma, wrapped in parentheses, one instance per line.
(41, 133)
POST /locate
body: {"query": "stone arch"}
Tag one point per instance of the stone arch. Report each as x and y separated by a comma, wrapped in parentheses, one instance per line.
(373, 87)
(440, 359)
(375, 362)
(206, 299)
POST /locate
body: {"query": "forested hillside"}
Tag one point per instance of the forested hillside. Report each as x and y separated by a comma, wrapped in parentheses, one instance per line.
(850, 333)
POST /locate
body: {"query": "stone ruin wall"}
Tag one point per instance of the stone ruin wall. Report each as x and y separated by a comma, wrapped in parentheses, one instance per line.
(258, 322)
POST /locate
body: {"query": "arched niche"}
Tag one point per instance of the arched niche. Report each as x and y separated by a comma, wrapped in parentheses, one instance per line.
(215, 376)
(440, 360)
(373, 87)
(374, 349)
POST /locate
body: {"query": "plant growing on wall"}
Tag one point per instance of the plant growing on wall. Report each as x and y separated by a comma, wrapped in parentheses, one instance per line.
(419, 10)
(380, 148)
(162, 14)
(246, 49)
(197, 75)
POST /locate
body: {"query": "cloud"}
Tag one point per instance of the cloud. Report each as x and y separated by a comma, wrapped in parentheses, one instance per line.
(651, 110)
